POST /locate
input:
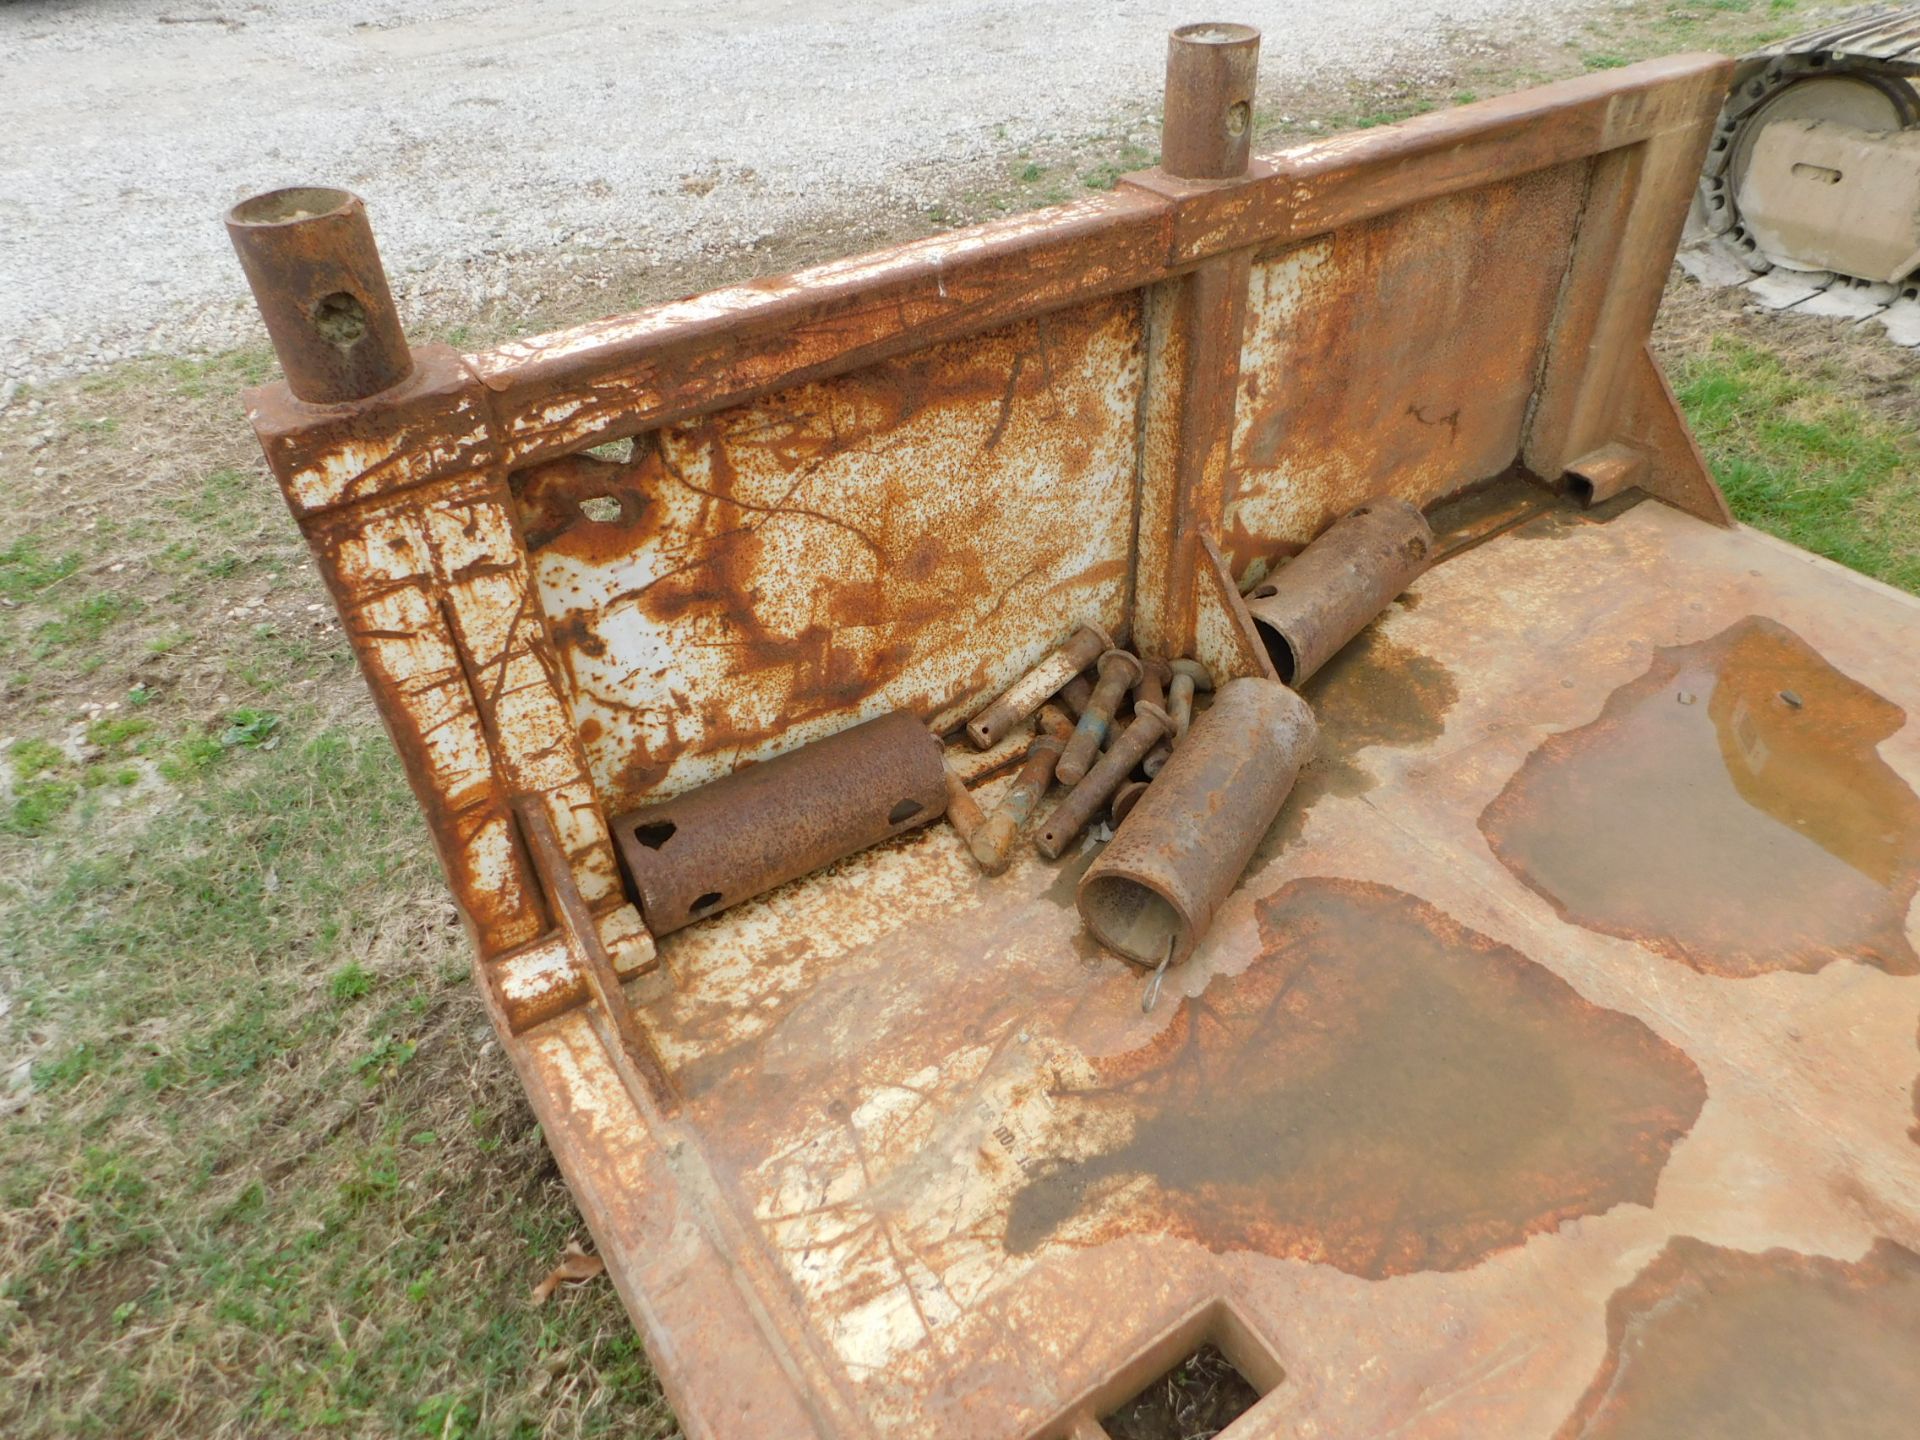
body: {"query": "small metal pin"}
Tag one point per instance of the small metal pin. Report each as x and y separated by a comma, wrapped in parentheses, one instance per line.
(1152, 996)
(1793, 700)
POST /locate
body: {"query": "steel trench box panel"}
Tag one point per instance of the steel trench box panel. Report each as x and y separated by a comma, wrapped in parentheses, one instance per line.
(1455, 1151)
(912, 535)
(1395, 356)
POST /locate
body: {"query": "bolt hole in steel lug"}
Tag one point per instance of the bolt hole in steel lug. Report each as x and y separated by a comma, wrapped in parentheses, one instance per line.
(310, 257)
(341, 319)
(654, 833)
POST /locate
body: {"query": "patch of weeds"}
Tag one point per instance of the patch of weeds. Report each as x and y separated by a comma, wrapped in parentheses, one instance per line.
(1392, 114)
(350, 982)
(34, 756)
(26, 568)
(71, 1068)
(385, 1058)
(191, 757)
(37, 804)
(1604, 62)
(251, 729)
(1800, 460)
(1106, 175)
(84, 622)
(118, 731)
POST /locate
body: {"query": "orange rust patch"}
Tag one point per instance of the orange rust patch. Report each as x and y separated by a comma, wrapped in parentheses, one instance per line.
(1712, 1344)
(1374, 362)
(909, 536)
(1729, 810)
(1382, 1090)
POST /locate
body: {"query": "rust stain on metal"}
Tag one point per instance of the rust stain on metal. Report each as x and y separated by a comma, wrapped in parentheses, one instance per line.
(1394, 357)
(1382, 1090)
(1729, 809)
(380, 568)
(1713, 1344)
(915, 536)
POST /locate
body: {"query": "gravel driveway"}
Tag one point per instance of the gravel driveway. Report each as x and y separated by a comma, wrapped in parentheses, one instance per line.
(484, 133)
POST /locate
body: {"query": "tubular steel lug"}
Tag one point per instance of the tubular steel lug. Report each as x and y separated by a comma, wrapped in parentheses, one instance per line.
(1609, 471)
(1211, 73)
(1119, 672)
(1328, 593)
(1023, 697)
(1189, 837)
(698, 853)
(1085, 800)
(309, 255)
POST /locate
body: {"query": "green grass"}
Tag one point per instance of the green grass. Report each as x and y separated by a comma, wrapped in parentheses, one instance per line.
(270, 1175)
(1800, 459)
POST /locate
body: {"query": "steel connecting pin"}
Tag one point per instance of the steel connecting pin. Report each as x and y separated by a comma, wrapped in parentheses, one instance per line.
(1119, 672)
(1039, 684)
(1084, 801)
(1188, 676)
(992, 844)
(963, 811)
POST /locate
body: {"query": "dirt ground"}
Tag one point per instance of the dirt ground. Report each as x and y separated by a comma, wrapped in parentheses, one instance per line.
(263, 1169)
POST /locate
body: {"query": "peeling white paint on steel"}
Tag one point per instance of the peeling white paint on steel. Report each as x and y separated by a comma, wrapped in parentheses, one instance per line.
(912, 537)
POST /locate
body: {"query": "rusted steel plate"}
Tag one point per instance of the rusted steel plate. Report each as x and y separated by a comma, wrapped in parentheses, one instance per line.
(1320, 185)
(1413, 1130)
(555, 393)
(380, 567)
(1395, 357)
(913, 537)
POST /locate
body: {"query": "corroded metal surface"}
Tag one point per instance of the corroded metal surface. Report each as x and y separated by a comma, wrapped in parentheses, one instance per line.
(1396, 357)
(1410, 1126)
(707, 849)
(888, 527)
(1207, 133)
(309, 255)
(1316, 602)
(1153, 891)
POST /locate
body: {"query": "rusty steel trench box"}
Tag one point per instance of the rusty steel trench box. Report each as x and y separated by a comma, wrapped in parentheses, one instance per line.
(1551, 1072)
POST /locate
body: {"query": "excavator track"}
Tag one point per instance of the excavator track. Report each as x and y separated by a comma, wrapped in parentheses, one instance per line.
(1852, 76)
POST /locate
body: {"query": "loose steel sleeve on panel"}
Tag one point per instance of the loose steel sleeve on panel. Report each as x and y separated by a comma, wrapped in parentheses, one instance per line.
(1189, 836)
(694, 855)
(1327, 594)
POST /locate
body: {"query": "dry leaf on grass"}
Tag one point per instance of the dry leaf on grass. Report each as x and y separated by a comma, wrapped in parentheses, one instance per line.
(576, 1267)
